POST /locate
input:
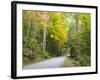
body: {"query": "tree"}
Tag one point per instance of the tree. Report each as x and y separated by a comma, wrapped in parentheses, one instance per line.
(58, 32)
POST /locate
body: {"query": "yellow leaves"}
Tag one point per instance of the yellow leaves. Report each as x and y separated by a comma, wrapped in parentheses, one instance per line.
(38, 18)
(58, 30)
(43, 19)
(51, 36)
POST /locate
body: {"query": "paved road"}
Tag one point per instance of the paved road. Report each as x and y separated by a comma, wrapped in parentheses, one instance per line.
(50, 63)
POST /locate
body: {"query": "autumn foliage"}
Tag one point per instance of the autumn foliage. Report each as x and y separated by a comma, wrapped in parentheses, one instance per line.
(52, 34)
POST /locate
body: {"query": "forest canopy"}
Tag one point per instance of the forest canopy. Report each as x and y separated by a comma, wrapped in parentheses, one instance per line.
(52, 34)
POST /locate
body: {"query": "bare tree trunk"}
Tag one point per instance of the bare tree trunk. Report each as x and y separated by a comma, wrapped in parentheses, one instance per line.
(77, 30)
(45, 19)
(29, 25)
(44, 39)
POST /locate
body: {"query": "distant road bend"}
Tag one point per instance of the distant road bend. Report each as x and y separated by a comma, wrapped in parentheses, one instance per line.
(50, 63)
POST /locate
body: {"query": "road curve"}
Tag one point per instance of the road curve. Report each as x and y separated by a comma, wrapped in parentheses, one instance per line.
(50, 63)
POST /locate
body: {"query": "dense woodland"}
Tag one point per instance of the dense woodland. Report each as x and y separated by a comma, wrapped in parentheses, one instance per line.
(51, 34)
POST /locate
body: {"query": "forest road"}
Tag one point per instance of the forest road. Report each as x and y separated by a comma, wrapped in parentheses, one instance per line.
(50, 63)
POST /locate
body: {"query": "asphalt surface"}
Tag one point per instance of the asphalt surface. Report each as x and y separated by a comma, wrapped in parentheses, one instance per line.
(50, 63)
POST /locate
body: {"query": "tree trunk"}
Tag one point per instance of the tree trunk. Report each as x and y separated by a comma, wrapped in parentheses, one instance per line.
(77, 31)
(29, 25)
(44, 39)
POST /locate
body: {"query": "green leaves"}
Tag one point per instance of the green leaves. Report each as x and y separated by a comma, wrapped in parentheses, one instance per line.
(51, 34)
(57, 29)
